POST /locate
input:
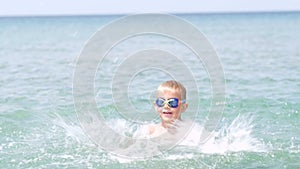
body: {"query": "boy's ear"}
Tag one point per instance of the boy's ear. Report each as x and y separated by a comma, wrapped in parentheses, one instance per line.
(155, 107)
(184, 107)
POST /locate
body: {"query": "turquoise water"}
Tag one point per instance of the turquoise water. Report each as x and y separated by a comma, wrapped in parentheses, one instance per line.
(260, 57)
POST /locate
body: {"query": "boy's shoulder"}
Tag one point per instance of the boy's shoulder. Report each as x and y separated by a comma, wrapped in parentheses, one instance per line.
(151, 128)
(145, 131)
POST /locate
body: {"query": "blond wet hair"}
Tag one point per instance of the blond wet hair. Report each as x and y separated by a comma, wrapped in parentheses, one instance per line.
(174, 85)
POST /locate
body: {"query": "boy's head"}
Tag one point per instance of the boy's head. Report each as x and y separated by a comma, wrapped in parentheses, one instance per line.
(170, 101)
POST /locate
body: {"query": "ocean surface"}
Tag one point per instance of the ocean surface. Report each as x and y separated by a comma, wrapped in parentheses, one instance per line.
(259, 127)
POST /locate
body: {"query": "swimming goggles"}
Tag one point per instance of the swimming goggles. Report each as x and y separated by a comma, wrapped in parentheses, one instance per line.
(172, 102)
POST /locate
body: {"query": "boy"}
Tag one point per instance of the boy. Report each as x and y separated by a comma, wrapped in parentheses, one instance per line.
(169, 104)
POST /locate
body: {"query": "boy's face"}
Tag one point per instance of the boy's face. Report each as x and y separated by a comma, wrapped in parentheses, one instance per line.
(167, 113)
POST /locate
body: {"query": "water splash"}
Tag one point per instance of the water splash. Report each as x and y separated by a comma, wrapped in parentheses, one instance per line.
(236, 136)
(73, 131)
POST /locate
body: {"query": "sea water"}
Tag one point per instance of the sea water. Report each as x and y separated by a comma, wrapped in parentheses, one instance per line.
(259, 127)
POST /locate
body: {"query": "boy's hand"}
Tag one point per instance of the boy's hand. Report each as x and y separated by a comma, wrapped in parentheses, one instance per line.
(173, 126)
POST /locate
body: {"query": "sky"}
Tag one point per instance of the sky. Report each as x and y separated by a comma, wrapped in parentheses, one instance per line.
(92, 7)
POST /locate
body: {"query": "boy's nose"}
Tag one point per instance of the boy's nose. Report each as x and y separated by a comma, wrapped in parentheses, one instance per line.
(166, 106)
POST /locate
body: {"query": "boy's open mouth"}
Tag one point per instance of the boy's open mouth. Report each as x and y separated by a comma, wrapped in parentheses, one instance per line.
(167, 113)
